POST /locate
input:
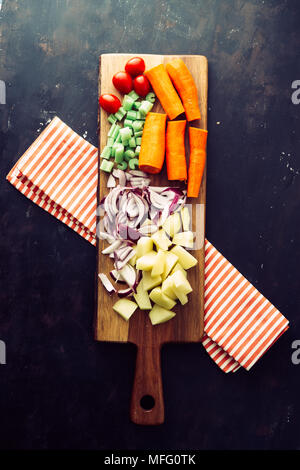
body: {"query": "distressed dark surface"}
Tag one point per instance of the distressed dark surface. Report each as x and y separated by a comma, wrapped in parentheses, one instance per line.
(60, 389)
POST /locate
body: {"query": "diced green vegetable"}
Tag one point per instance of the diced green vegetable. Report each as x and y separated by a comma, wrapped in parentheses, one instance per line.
(107, 165)
(137, 150)
(119, 153)
(138, 140)
(127, 103)
(111, 118)
(125, 135)
(127, 123)
(132, 115)
(150, 97)
(106, 152)
(138, 125)
(118, 139)
(110, 142)
(129, 154)
(120, 113)
(133, 95)
(145, 107)
(132, 142)
(133, 163)
(138, 134)
(136, 105)
(140, 116)
(111, 130)
(122, 165)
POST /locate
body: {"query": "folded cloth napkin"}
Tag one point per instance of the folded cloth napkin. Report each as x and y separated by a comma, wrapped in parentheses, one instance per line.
(59, 172)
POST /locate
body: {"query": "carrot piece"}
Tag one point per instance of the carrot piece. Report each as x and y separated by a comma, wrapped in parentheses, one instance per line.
(185, 86)
(165, 91)
(175, 151)
(198, 139)
(152, 153)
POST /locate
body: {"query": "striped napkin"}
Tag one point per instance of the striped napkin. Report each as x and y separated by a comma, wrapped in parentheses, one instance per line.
(59, 172)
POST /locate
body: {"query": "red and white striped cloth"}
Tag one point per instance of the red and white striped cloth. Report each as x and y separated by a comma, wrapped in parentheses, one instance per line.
(59, 172)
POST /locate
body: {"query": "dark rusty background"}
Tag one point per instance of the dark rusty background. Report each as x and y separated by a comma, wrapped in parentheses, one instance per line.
(59, 388)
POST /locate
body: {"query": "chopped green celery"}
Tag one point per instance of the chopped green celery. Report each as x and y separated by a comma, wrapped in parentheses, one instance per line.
(133, 163)
(137, 150)
(111, 130)
(119, 153)
(140, 116)
(138, 140)
(127, 123)
(106, 152)
(118, 139)
(129, 154)
(138, 125)
(132, 142)
(111, 118)
(110, 142)
(138, 134)
(136, 105)
(107, 165)
(127, 103)
(145, 107)
(150, 97)
(120, 113)
(133, 95)
(125, 134)
(132, 115)
(122, 166)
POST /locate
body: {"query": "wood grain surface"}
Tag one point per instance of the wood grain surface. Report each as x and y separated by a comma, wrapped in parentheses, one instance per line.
(187, 326)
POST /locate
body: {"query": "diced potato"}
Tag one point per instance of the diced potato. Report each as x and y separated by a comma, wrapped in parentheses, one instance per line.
(132, 260)
(183, 298)
(159, 315)
(147, 261)
(161, 240)
(178, 267)
(170, 261)
(184, 239)
(144, 246)
(150, 282)
(181, 283)
(125, 308)
(159, 265)
(166, 288)
(161, 299)
(141, 297)
(186, 260)
(186, 218)
(172, 224)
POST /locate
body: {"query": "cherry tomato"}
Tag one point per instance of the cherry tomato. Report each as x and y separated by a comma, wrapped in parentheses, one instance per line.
(141, 85)
(110, 103)
(123, 82)
(135, 66)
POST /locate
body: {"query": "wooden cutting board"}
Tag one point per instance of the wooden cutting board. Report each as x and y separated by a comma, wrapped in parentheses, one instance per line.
(187, 326)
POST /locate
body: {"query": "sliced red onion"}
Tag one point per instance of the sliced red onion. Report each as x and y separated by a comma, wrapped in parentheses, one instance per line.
(138, 173)
(116, 275)
(106, 236)
(111, 182)
(113, 247)
(106, 283)
(123, 252)
(128, 233)
(129, 274)
(125, 292)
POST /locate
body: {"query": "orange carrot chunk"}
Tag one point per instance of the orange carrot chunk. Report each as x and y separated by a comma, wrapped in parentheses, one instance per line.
(175, 151)
(185, 86)
(165, 91)
(152, 153)
(198, 138)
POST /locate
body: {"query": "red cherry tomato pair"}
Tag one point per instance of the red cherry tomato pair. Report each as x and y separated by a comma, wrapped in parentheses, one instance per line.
(134, 68)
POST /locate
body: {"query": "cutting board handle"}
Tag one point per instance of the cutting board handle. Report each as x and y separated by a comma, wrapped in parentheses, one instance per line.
(147, 401)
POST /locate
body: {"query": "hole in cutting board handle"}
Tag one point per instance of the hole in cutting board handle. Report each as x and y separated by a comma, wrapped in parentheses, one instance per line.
(147, 402)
